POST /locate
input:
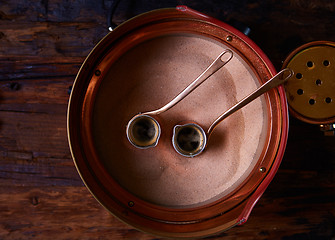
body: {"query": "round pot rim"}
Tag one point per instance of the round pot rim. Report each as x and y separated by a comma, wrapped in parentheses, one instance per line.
(79, 110)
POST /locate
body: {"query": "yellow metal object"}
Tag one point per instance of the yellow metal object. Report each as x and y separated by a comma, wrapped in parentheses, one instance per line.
(311, 91)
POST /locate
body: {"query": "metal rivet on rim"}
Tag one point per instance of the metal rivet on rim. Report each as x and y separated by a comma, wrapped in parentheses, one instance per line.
(131, 204)
(262, 169)
(97, 73)
(229, 38)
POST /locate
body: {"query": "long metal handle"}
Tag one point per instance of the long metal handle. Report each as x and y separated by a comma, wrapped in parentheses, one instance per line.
(275, 81)
(218, 63)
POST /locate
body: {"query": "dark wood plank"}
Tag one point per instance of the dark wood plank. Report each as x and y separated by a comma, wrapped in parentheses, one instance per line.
(58, 213)
(33, 144)
(49, 39)
(14, 67)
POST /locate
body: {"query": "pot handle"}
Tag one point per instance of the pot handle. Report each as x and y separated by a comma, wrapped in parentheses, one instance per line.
(218, 63)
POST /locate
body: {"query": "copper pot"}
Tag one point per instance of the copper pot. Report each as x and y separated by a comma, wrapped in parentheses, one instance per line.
(138, 67)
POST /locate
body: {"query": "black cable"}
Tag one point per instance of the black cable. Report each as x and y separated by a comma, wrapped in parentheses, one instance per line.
(110, 23)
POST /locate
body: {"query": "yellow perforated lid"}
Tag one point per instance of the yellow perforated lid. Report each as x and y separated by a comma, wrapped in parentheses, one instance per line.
(311, 91)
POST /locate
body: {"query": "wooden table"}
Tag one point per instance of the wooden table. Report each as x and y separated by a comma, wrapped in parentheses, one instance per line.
(42, 45)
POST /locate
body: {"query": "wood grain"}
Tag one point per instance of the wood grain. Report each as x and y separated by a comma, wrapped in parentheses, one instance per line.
(42, 45)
